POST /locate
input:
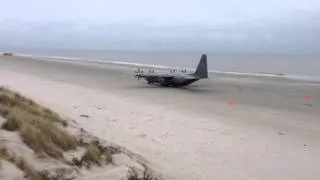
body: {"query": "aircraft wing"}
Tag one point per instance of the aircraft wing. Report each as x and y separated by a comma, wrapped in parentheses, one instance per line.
(165, 75)
(155, 75)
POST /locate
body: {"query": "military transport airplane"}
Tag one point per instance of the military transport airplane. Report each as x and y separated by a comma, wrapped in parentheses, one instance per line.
(176, 79)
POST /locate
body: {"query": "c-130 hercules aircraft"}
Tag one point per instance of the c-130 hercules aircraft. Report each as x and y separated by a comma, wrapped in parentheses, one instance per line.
(176, 79)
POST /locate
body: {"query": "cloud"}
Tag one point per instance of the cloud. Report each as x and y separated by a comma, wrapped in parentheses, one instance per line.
(290, 33)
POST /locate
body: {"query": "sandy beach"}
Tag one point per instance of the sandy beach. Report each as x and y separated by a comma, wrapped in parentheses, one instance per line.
(223, 128)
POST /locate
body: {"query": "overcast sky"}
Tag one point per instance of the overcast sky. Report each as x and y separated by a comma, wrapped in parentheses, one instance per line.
(278, 23)
(164, 11)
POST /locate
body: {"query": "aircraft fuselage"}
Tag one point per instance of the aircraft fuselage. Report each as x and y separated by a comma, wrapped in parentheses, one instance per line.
(173, 81)
(176, 79)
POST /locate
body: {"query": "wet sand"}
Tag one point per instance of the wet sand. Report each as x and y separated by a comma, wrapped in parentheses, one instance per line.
(270, 132)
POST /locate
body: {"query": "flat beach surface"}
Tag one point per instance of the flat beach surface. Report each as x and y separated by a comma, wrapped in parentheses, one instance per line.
(226, 127)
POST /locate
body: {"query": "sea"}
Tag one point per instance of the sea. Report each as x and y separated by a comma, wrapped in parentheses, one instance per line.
(296, 66)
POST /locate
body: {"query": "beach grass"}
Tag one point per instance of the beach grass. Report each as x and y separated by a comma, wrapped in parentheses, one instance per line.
(21, 163)
(146, 175)
(38, 126)
(41, 129)
(92, 155)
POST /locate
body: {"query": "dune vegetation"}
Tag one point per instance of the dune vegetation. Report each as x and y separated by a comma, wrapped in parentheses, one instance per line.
(21, 163)
(37, 126)
(43, 131)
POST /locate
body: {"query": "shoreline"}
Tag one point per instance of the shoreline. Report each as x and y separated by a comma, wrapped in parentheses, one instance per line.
(302, 78)
(184, 134)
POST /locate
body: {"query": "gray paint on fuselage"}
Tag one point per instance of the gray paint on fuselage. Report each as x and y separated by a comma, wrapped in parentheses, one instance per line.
(177, 79)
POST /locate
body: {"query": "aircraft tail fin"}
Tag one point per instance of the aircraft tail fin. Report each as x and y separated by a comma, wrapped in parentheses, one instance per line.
(202, 69)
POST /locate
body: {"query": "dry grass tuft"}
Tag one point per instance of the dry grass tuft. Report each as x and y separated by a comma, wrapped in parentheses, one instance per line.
(92, 156)
(21, 163)
(37, 125)
(95, 154)
(146, 175)
(30, 172)
(40, 143)
(10, 99)
(106, 151)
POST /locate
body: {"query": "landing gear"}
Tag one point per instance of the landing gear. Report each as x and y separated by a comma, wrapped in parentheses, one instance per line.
(165, 84)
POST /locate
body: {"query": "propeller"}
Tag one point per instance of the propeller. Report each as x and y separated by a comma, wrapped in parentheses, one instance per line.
(137, 76)
(151, 70)
(172, 70)
(138, 71)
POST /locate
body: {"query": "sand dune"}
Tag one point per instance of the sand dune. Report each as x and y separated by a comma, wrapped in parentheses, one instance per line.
(270, 133)
(37, 144)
